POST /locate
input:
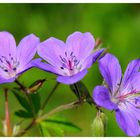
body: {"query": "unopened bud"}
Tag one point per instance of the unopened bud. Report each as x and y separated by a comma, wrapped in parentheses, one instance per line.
(98, 128)
(104, 118)
(4, 128)
(98, 43)
(36, 86)
(16, 129)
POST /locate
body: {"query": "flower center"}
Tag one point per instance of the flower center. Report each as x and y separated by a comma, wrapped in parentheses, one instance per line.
(9, 65)
(132, 98)
(70, 64)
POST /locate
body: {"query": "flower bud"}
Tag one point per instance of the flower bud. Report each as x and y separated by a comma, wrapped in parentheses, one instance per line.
(98, 43)
(35, 86)
(4, 128)
(16, 129)
(98, 125)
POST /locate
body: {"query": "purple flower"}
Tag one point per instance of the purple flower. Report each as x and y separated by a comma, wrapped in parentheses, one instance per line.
(120, 94)
(15, 60)
(69, 60)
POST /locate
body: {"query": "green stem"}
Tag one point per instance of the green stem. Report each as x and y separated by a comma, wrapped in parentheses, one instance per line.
(78, 93)
(59, 109)
(49, 96)
(41, 131)
(44, 117)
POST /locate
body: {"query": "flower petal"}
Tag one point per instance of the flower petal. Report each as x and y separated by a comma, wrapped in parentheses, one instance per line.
(28, 66)
(81, 44)
(133, 67)
(27, 49)
(102, 98)
(128, 123)
(51, 50)
(3, 81)
(72, 79)
(132, 85)
(111, 71)
(7, 44)
(133, 106)
(46, 67)
(92, 59)
(135, 82)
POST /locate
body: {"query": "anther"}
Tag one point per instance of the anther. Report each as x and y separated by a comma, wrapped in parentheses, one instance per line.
(14, 69)
(6, 70)
(63, 59)
(1, 60)
(66, 54)
(61, 67)
(71, 53)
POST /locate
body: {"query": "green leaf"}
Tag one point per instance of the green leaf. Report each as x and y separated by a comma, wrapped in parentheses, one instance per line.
(64, 124)
(24, 114)
(36, 101)
(22, 100)
(56, 126)
(50, 130)
(84, 93)
(44, 131)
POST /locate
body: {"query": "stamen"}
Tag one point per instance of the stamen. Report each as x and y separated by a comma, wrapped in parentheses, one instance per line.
(70, 62)
(73, 57)
(63, 59)
(71, 54)
(1, 60)
(8, 64)
(66, 54)
(14, 69)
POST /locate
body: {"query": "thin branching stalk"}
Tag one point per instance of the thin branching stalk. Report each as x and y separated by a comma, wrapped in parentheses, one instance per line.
(52, 112)
(80, 98)
(78, 92)
(33, 122)
(59, 109)
(49, 96)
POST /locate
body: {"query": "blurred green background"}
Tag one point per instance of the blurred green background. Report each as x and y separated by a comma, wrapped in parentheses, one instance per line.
(118, 25)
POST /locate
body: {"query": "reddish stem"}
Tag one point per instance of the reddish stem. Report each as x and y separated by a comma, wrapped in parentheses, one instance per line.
(7, 115)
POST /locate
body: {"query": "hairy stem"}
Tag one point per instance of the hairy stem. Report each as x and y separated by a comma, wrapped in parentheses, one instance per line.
(49, 96)
(7, 115)
(59, 109)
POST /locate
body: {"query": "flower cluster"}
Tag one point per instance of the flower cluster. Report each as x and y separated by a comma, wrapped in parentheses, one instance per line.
(70, 61)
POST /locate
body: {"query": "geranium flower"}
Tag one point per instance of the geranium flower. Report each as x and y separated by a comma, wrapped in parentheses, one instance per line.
(120, 94)
(15, 60)
(69, 60)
